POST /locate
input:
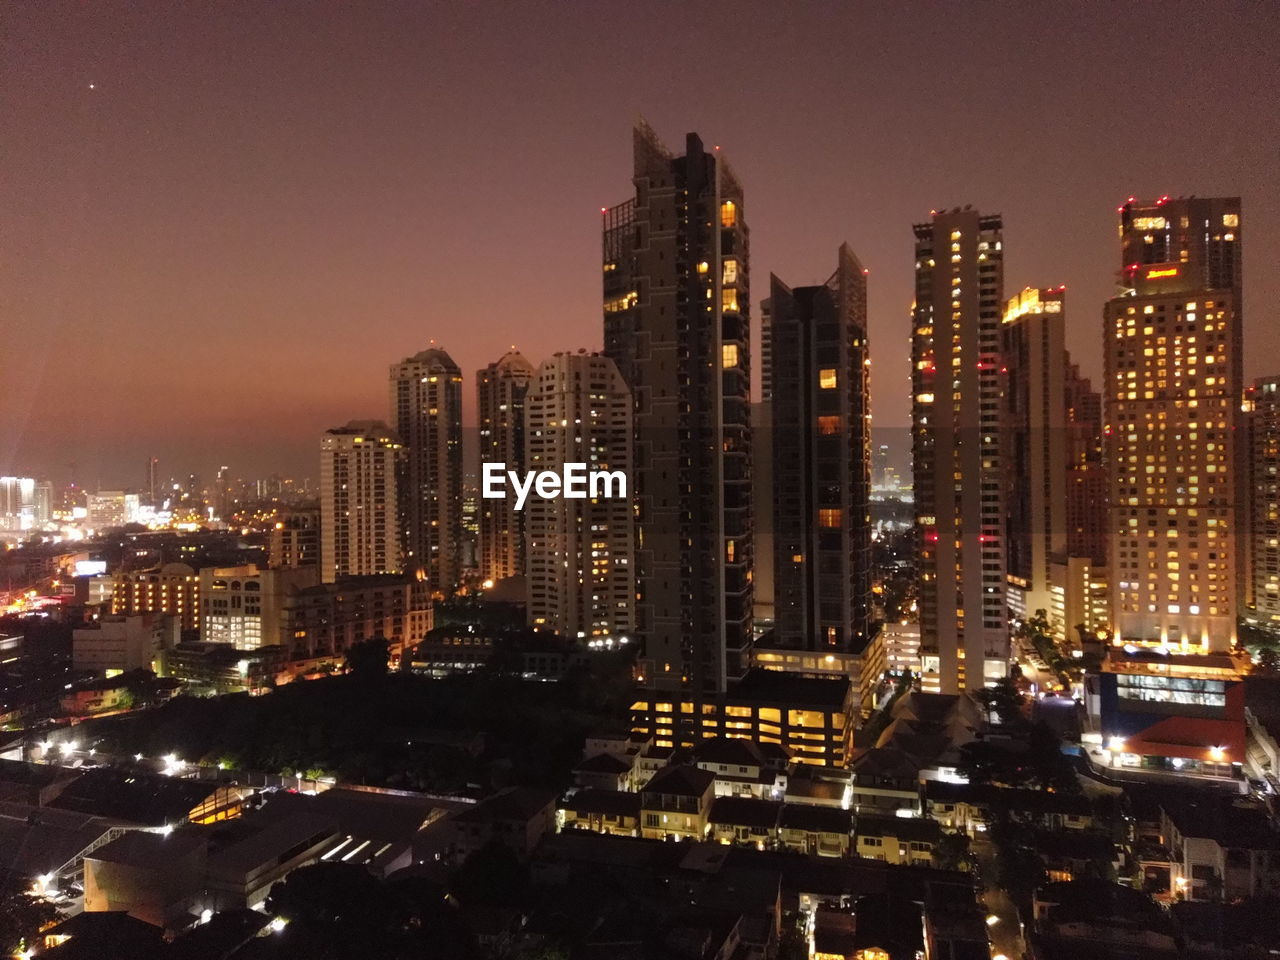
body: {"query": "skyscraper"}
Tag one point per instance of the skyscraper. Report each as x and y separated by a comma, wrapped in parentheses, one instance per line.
(676, 323)
(359, 525)
(580, 551)
(1172, 406)
(426, 408)
(1264, 492)
(957, 449)
(821, 461)
(501, 389)
(1033, 351)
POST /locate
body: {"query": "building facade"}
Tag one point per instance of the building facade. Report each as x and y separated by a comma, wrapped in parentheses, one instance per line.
(821, 461)
(1264, 502)
(426, 412)
(958, 450)
(359, 523)
(294, 539)
(676, 323)
(1034, 352)
(173, 588)
(501, 389)
(1172, 403)
(580, 552)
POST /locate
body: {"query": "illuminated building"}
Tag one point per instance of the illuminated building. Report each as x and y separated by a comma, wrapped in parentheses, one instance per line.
(322, 621)
(1180, 713)
(1086, 478)
(501, 389)
(1172, 398)
(580, 552)
(1191, 244)
(813, 718)
(426, 407)
(359, 525)
(1034, 353)
(958, 449)
(240, 606)
(173, 588)
(1264, 502)
(110, 508)
(821, 461)
(676, 322)
(17, 503)
(294, 539)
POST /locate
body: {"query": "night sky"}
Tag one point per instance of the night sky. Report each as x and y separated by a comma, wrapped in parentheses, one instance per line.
(221, 222)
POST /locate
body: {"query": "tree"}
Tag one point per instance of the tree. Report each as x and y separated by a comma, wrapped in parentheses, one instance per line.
(368, 658)
(1003, 699)
(22, 917)
(951, 852)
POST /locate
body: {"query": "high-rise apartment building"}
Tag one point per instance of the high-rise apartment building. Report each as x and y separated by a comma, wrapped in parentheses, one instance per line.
(426, 408)
(1173, 391)
(676, 322)
(1033, 351)
(1197, 242)
(1264, 502)
(821, 461)
(1086, 479)
(501, 389)
(580, 552)
(359, 525)
(294, 540)
(957, 449)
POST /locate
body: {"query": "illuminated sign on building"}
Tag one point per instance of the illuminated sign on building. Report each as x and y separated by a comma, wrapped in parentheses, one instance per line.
(1157, 272)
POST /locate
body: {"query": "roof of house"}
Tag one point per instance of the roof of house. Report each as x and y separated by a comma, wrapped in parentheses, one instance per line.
(603, 763)
(612, 803)
(903, 828)
(40, 840)
(744, 812)
(1230, 821)
(805, 816)
(886, 762)
(680, 780)
(107, 934)
(729, 750)
(514, 803)
(1032, 801)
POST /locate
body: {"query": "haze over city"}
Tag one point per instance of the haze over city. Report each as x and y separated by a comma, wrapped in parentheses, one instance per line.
(224, 223)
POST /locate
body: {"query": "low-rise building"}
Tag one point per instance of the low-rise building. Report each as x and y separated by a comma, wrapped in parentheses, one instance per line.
(517, 817)
(906, 840)
(124, 642)
(602, 811)
(815, 830)
(1222, 847)
(744, 819)
(675, 803)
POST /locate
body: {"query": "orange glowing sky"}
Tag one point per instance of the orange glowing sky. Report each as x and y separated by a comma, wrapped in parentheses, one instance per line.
(222, 222)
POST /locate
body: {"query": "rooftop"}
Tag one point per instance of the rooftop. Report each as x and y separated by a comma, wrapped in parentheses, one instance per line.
(681, 780)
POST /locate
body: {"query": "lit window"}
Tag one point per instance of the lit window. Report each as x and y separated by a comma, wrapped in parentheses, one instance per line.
(828, 426)
(728, 214)
(729, 355)
(730, 551)
(703, 266)
(1231, 219)
(829, 517)
(827, 378)
(730, 271)
(729, 300)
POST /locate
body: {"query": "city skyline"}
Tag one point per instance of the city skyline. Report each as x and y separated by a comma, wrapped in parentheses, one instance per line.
(318, 224)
